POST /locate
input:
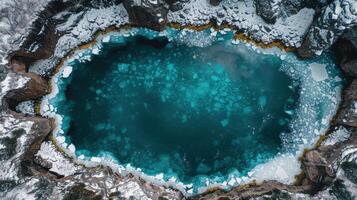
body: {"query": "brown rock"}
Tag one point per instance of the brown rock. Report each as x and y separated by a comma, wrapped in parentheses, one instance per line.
(18, 66)
(147, 14)
(346, 114)
(316, 168)
(350, 68)
(35, 88)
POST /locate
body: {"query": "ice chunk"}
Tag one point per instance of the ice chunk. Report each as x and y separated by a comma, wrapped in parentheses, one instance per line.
(96, 159)
(72, 148)
(106, 39)
(67, 71)
(61, 139)
(318, 71)
(224, 122)
(95, 51)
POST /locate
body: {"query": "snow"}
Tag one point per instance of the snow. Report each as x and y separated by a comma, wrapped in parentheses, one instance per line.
(9, 169)
(282, 168)
(242, 15)
(318, 71)
(23, 191)
(132, 189)
(72, 148)
(106, 39)
(60, 164)
(339, 135)
(96, 159)
(96, 51)
(26, 107)
(81, 29)
(12, 81)
(15, 23)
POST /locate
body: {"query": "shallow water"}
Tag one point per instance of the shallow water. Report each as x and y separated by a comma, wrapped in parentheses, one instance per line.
(194, 112)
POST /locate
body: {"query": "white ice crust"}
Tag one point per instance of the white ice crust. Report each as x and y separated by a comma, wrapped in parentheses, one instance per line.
(318, 71)
(67, 71)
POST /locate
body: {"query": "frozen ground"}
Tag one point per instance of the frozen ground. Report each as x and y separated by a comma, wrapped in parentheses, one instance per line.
(242, 14)
(16, 17)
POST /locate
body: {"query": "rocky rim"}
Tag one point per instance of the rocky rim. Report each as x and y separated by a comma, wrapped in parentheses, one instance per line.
(319, 165)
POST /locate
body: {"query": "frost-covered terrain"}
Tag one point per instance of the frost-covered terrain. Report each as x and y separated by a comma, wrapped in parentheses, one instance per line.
(38, 34)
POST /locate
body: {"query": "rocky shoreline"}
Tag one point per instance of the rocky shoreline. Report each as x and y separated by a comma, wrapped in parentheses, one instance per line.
(29, 69)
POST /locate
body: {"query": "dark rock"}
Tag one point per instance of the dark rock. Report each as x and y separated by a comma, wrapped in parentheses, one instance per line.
(267, 10)
(176, 5)
(271, 10)
(250, 191)
(215, 2)
(347, 115)
(316, 168)
(350, 170)
(35, 88)
(339, 190)
(316, 4)
(350, 68)
(3, 71)
(80, 192)
(290, 7)
(10, 144)
(351, 35)
(146, 13)
(5, 185)
(18, 66)
(39, 131)
(346, 56)
(42, 37)
(101, 3)
(337, 19)
(43, 163)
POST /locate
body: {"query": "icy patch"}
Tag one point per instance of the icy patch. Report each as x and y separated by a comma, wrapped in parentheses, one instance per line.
(9, 168)
(11, 82)
(67, 71)
(242, 14)
(26, 107)
(339, 135)
(132, 189)
(16, 20)
(283, 168)
(81, 28)
(60, 164)
(318, 71)
(24, 191)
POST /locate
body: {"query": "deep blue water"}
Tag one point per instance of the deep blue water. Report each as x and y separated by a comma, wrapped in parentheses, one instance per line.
(163, 106)
(186, 111)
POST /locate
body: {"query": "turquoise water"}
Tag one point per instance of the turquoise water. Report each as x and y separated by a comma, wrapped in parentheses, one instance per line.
(167, 106)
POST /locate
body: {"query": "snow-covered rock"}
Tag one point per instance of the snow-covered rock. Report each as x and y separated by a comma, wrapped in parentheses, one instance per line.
(337, 19)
